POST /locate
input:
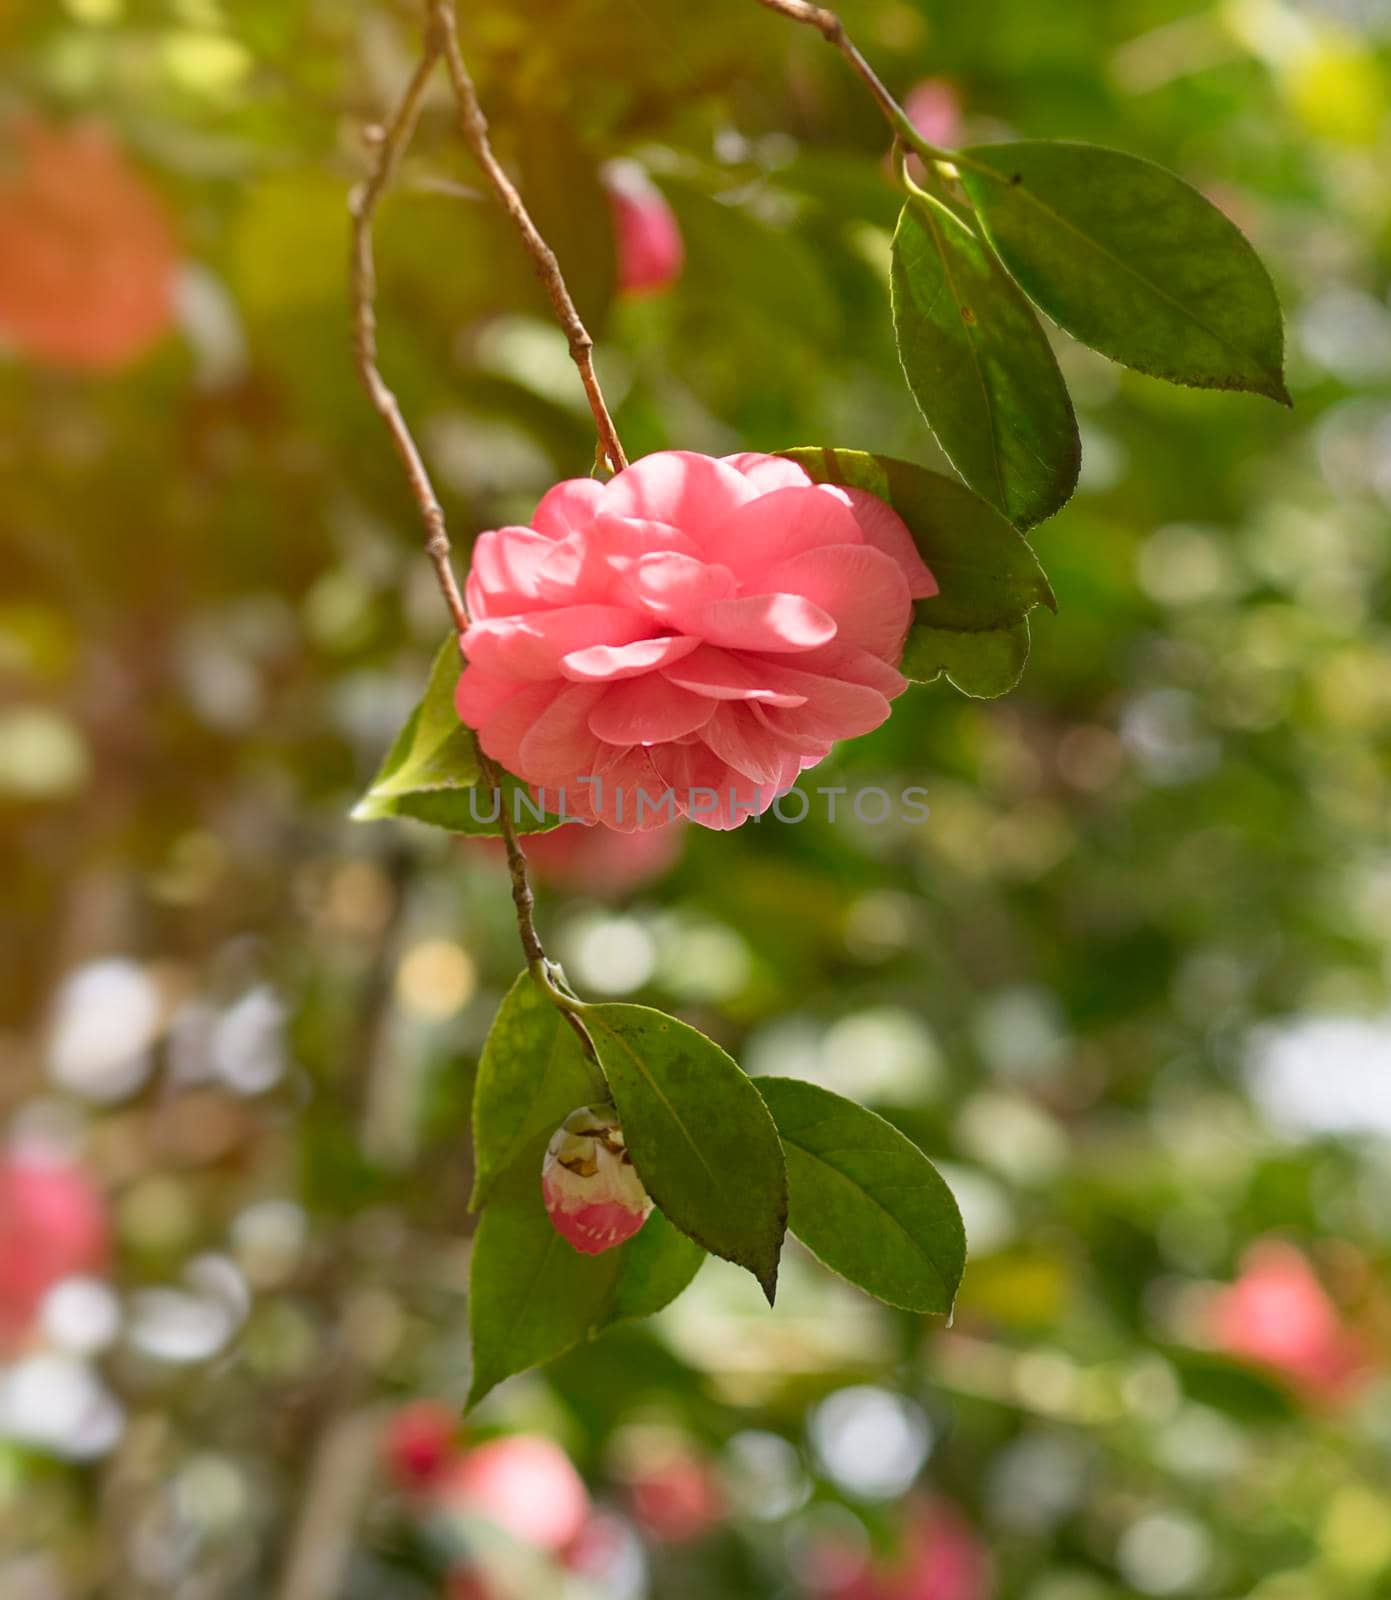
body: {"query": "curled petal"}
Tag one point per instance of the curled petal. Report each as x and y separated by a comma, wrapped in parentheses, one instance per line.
(769, 622)
(768, 472)
(832, 711)
(590, 566)
(690, 491)
(740, 740)
(607, 663)
(777, 526)
(503, 570)
(862, 588)
(727, 675)
(530, 646)
(671, 586)
(568, 507)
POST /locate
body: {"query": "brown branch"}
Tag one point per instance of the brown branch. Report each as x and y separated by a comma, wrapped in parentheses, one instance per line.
(394, 139)
(474, 127)
(832, 30)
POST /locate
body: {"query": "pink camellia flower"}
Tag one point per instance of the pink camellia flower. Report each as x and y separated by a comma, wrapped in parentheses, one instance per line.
(1278, 1315)
(87, 253)
(53, 1225)
(686, 638)
(524, 1484)
(594, 1198)
(647, 237)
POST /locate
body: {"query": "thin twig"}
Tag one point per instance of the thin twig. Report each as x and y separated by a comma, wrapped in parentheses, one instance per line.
(474, 127)
(363, 205)
(439, 41)
(832, 30)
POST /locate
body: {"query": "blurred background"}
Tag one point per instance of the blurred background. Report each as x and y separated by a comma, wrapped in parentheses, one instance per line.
(1128, 984)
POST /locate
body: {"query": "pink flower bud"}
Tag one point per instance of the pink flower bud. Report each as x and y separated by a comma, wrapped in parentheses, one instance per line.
(651, 252)
(594, 1198)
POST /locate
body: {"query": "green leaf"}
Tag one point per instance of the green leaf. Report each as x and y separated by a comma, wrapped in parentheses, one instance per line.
(698, 1132)
(865, 1200)
(989, 579)
(431, 772)
(1131, 260)
(532, 1296)
(980, 366)
(532, 1075)
(984, 665)
(476, 812)
(432, 754)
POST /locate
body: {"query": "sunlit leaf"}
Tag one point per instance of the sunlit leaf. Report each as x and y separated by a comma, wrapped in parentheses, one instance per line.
(984, 665)
(865, 1200)
(433, 753)
(980, 366)
(698, 1132)
(431, 772)
(1131, 260)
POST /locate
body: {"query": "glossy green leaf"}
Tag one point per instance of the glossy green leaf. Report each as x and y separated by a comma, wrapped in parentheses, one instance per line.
(865, 1200)
(533, 1073)
(980, 366)
(1131, 260)
(432, 754)
(989, 579)
(476, 811)
(532, 1296)
(698, 1132)
(984, 665)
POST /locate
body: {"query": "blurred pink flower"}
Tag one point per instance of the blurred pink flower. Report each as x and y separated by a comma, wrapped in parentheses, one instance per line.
(934, 108)
(676, 1498)
(941, 1557)
(524, 1484)
(651, 253)
(87, 253)
(53, 1225)
(692, 634)
(592, 1193)
(1278, 1315)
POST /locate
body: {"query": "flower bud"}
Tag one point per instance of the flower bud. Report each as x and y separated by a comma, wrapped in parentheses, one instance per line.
(650, 250)
(594, 1198)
